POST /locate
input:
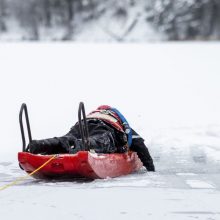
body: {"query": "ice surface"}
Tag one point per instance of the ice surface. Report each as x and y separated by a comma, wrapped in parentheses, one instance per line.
(198, 184)
(170, 95)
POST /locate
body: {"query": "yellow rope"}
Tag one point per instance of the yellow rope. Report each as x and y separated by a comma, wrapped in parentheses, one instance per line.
(28, 175)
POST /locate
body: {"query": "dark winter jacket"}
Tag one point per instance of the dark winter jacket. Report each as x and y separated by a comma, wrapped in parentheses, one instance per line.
(103, 138)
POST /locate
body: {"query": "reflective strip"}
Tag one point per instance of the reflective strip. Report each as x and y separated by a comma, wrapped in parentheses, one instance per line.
(135, 136)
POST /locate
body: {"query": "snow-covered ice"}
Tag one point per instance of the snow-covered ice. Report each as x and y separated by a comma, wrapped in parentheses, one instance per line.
(169, 93)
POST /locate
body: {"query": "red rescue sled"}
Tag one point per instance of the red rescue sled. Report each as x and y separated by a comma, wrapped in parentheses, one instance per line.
(82, 164)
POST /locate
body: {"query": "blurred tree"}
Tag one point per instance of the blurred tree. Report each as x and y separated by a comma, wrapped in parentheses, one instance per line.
(47, 12)
(35, 17)
(2, 16)
(27, 15)
(184, 19)
(179, 19)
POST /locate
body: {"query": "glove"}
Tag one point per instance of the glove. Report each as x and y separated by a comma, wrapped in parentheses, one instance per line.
(76, 147)
(32, 146)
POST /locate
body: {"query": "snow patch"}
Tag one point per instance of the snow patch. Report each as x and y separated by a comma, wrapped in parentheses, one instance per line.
(186, 174)
(199, 184)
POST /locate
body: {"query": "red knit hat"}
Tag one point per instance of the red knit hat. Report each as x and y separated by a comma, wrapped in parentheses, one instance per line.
(104, 107)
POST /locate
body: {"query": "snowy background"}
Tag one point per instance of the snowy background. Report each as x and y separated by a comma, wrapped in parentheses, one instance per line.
(170, 94)
(109, 20)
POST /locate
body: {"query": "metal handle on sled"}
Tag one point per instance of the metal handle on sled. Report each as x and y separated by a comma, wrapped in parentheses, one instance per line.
(24, 109)
(83, 127)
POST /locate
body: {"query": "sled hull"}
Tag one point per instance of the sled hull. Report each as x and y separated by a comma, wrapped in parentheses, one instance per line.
(82, 164)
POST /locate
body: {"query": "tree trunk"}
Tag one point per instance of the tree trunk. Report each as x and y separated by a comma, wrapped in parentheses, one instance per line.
(47, 13)
(70, 10)
(2, 16)
(34, 21)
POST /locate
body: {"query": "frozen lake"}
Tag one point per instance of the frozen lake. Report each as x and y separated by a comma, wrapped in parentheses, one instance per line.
(170, 95)
(185, 186)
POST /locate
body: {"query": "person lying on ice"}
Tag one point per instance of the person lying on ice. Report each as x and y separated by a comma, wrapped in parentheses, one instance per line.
(109, 132)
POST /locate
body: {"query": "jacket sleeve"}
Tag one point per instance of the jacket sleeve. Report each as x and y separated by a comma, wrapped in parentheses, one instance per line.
(140, 148)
